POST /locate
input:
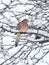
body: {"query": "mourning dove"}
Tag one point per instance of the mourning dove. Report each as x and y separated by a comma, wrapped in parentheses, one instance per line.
(22, 27)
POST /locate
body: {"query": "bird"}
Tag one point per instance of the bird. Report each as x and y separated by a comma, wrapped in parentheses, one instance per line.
(22, 27)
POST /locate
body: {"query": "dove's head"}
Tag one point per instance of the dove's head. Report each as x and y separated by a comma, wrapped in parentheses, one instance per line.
(25, 20)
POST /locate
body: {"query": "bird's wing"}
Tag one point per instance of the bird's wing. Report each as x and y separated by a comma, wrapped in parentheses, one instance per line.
(18, 26)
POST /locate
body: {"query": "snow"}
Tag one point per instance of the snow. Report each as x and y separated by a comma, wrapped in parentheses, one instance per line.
(7, 39)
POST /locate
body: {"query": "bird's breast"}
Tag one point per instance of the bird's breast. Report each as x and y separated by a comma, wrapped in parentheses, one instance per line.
(24, 29)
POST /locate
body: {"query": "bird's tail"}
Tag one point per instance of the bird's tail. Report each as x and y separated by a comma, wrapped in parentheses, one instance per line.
(17, 40)
(18, 35)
